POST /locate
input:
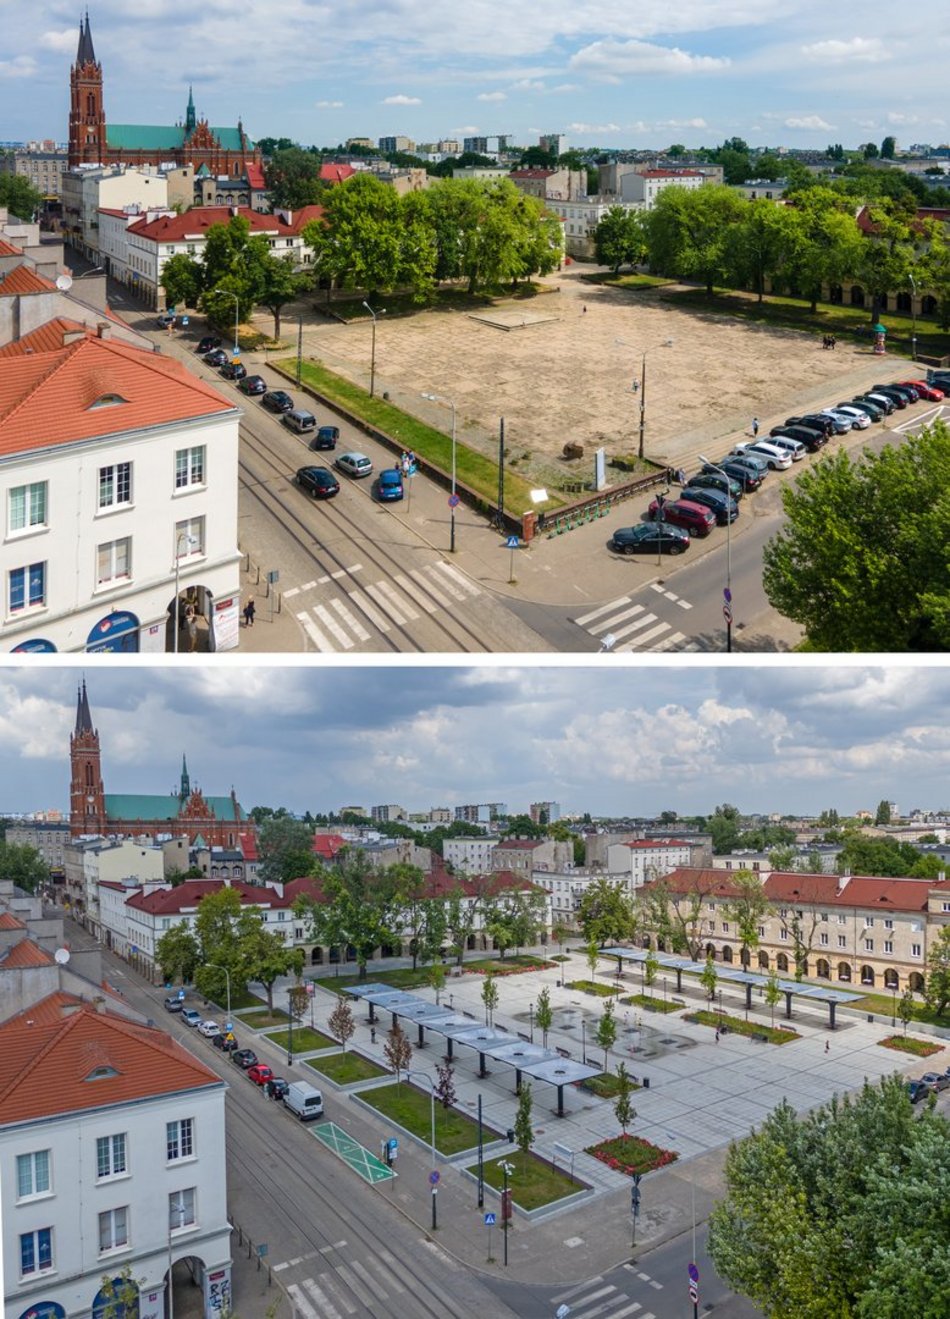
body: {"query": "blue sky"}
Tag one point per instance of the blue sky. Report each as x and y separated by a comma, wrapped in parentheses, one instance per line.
(798, 73)
(607, 739)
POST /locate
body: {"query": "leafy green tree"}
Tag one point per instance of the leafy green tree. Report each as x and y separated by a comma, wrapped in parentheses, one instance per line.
(675, 918)
(736, 166)
(285, 847)
(23, 864)
(359, 907)
(606, 1035)
(761, 245)
(768, 166)
(621, 239)
(854, 562)
(905, 1009)
(265, 957)
(280, 285)
(397, 1050)
(869, 150)
(688, 232)
(624, 1111)
(782, 858)
(937, 992)
(544, 1014)
(292, 177)
(119, 1292)
(605, 914)
(888, 147)
(828, 244)
(524, 1131)
(489, 998)
(183, 281)
(651, 965)
(889, 254)
(340, 1021)
(436, 979)
(461, 914)
(772, 994)
(883, 813)
(178, 954)
(19, 196)
(592, 952)
(709, 978)
(747, 909)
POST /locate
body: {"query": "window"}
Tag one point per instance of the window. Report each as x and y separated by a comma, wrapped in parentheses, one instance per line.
(783, 934)
(869, 945)
(281, 915)
(110, 1156)
(113, 1229)
(842, 920)
(888, 924)
(823, 940)
(190, 467)
(823, 916)
(725, 927)
(27, 587)
(180, 1139)
(189, 537)
(27, 506)
(32, 1174)
(181, 1209)
(915, 950)
(842, 941)
(36, 1251)
(115, 485)
(783, 912)
(761, 931)
(888, 946)
(114, 561)
(869, 922)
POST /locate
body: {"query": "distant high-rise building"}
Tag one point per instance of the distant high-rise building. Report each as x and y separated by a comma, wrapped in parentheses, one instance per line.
(503, 143)
(477, 144)
(388, 814)
(388, 145)
(553, 142)
(544, 812)
(483, 813)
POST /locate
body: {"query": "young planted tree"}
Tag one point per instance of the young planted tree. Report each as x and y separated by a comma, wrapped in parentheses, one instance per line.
(397, 1050)
(905, 1009)
(606, 1035)
(340, 1021)
(593, 953)
(524, 1132)
(298, 998)
(773, 994)
(436, 978)
(445, 1085)
(708, 978)
(544, 1014)
(651, 964)
(560, 934)
(624, 1111)
(489, 998)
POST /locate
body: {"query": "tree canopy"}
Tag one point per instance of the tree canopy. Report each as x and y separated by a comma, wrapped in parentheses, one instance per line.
(24, 866)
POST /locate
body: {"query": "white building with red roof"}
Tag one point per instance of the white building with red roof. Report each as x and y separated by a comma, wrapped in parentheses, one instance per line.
(643, 186)
(112, 1157)
(119, 476)
(641, 859)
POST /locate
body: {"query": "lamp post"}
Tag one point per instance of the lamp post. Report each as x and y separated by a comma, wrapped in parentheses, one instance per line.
(506, 1170)
(435, 1185)
(727, 593)
(237, 313)
(584, 1040)
(372, 359)
(531, 1020)
(290, 1026)
(913, 312)
(191, 542)
(640, 387)
(453, 499)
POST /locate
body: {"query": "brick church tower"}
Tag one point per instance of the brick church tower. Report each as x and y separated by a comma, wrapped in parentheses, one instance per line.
(87, 117)
(87, 799)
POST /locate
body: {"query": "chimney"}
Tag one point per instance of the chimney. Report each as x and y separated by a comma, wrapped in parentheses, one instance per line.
(103, 330)
(941, 875)
(843, 882)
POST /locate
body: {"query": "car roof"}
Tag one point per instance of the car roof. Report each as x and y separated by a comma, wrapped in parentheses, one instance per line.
(355, 456)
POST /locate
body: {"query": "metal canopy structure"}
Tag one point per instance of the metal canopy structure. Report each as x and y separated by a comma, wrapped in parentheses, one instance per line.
(739, 976)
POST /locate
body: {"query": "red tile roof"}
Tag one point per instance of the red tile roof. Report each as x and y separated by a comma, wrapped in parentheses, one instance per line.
(46, 338)
(864, 891)
(299, 218)
(9, 249)
(331, 173)
(10, 922)
(21, 279)
(248, 845)
(254, 174)
(196, 222)
(46, 1011)
(89, 1060)
(522, 844)
(655, 842)
(326, 846)
(69, 383)
(186, 897)
(24, 954)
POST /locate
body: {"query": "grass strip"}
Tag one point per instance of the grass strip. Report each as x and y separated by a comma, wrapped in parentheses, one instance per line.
(304, 1039)
(533, 1182)
(345, 1068)
(412, 1110)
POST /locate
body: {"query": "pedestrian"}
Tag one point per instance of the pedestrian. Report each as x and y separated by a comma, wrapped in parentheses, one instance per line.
(372, 1034)
(249, 613)
(191, 627)
(584, 309)
(717, 1034)
(827, 1046)
(755, 427)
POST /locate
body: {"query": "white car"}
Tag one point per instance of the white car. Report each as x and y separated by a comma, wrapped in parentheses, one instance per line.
(794, 448)
(859, 421)
(354, 464)
(209, 1029)
(776, 458)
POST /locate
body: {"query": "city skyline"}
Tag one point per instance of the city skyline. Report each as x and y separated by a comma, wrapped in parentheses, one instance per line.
(791, 74)
(611, 741)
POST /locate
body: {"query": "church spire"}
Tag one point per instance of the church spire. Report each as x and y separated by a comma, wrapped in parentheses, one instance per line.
(184, 791)
(85, 53)
(191, 119)
(83, 717)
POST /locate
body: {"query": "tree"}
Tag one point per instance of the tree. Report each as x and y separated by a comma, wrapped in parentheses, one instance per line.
(436, 978)
(593, 954)
(869, 150)
(811, 1224)
(937, 992)
(178, 954)
(761, 245)
(280, 284)
(183, 281)
(853, 563)
(883, 813)
(461, 913)
(605, 914)
(445, 1085)
(905, 1009)
(624, 1111)
(621, 239)
(773, 994)
(119, 1292)
(297, 1001)
(747, 908)
(560, 933)
(782, 858)
(709, 978)
(265, 957)
(888, 147)
(285, 846)
(676, 918)
(828, 243)
(216, 929)
(606, 1034)
(19, 196)
(489, 998)
(292, 178)
(688, 230)
(524, 1132)
(359, 908)
(397, 1050)
(651, 964)
(23, 864)
(340, 1021)
(544, 1014)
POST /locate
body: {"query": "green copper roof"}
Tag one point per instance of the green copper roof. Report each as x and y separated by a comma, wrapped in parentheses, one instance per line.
(155, 137)
(150, 806)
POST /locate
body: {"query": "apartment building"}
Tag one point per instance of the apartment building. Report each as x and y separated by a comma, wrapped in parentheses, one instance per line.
(471, 856)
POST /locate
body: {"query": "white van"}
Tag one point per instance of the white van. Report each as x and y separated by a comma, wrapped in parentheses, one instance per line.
(305, 1100)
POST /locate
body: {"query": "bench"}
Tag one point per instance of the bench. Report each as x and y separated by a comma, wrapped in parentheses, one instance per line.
(523, 1036)
(564, 1053)
(680, 1001)
(758, 1038)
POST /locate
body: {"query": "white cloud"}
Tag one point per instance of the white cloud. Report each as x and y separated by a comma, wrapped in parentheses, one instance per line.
(593, 128)
(613, 59)
(328, 105)
(811, 123)
(401, 99)
(491, 96)
(564, 87)
(528, 85)
(895, 117)
(59, 40)
(859, 50)
(23, 66)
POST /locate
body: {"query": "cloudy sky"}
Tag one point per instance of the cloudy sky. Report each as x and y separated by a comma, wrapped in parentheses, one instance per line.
(606, 740)
(777, 72)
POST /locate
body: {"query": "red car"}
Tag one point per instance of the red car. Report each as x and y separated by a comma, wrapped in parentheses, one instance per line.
(929, 392)
(694, 518)
(260, 1073)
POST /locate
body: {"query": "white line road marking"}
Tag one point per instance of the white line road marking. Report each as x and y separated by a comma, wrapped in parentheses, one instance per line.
(351, 620)
(376, 618)
(370, 1281)
(431, 587)
(596, 613)
(668, 642)
(654, 632)
(645, 621)
(313, 632)
(335, 1290)
(572, 1291)
(617, 618)
(657, 1285)
(456, 576)
(583, 1301)
(384, 603)
(444, 581)
(294, 590)
(683, 604)
(349, 1277)
(330, 622)
(322, 581)
(631, 1309)
(414, 593)
(304, 1306)
(399, 601)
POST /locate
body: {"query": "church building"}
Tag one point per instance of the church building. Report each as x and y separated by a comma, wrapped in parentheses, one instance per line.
(93, 141)
(208, 821)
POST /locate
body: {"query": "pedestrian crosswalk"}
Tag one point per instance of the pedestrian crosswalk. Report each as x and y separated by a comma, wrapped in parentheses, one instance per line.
(340, 623)
(351, 1287)
(622, 625)
(599, 1299)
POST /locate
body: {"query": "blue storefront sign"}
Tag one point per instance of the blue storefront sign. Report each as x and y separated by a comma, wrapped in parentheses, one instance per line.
(44, 1310)
(116, 632)
(35, 647)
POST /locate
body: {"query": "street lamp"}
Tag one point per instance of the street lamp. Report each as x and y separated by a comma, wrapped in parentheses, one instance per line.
(290, 1026)
(372, 362)
(640, 387)
(531, 1020)
(186, 538)
(506, 1170)
(435, 1172)
(727, 593)
(453, 498)
(913, 312)
(237, 309)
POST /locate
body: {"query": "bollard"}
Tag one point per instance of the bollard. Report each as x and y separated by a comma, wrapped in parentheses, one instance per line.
(646, 1083)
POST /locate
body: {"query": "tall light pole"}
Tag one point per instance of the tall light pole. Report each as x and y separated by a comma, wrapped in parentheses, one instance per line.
(191, 542)
(372, 358)
(727, 593)
(640, 387)
(453, 498)
(237, 312)
(435, 1185)
(913, 312)
(506, 1170)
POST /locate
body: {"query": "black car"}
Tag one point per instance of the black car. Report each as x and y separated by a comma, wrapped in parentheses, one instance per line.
(277, 400)
(713, 481)
(244, 1058)
(725, 508)
(216, 357)
(234, 370)
(886, 404)
(864, 405)
(917, 1090)
(325, 438)
(318, 481)
(206, 344)
(898, 398)
(807, 435)
(907, 392)
(253, 385)
(816, 422)
(650, 537)
(748, 476)
(173, 1003)
(222, 1042)
(276, 1087)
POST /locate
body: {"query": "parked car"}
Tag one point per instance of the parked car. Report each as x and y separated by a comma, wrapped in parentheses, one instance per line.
(226, 1045)
(190, 1017)
(936, 1080)
(209, 1029)
(820, 422)
(389, 485)
(206, 344)
(354, 464)
(724, 506)
(848, 412)
(707, 480)
(173, 1003)
(276, 1087)
(277, 400)
(939, 380)
(907, 391)
(326, 437)
(812, 439)
(694, 518)
(795, 449)
(650, 537)
(260, 1073)
(747, 474)
(216, 357)
(165, 319)
(300, 421)
(318, 482)
(253, 385)
(777, 459)
(896, 396)
(917, 1090)
(864, 405)
(929, 392)
(234, 370)
(757, 461)
(244, 1058)
(887, 405)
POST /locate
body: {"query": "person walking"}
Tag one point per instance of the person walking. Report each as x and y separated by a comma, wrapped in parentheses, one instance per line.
(755, 427)
(191, 628)
(249, 609)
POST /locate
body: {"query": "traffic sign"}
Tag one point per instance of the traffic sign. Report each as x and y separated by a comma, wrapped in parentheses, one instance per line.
(181, 996)
(693, 1292)
(727, 613)
(513, 543)
(228, 1027)
(489, 1220)
(310, 989)
(693, 1272)
(454, 501)
(727, 595)
(434, 1177)
(393, 1143)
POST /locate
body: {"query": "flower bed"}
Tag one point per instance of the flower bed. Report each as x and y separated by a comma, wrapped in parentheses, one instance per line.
(907, 1044)
(515, 966)
(630, 1154)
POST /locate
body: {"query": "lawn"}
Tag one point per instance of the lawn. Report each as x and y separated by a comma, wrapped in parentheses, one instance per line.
(738, 1026)
(593, 987)
(606, 1086)
(650, 1003)
(399, 978)
(907, 1044)
(242, 998)
(412, 1109)
(345, 1068)
(631, 280)
(630, 1154)
(258, 1020)
(507, 966)
(304, 1039)
(474, 470)
(533, 1182)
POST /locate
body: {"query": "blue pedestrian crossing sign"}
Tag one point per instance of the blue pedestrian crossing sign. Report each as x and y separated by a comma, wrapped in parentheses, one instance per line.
(513, 543)
(489, 1220)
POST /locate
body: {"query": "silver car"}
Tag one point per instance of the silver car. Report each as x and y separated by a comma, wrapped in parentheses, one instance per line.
(794, 448)
(850, 418)
(354, 464)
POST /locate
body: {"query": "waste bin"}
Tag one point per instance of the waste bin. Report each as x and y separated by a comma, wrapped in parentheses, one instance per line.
(646, 1083)
(529, 522)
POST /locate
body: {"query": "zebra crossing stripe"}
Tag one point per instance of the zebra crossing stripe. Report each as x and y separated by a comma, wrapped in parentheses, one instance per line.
(644, 621)
(397, 600)
(337, 1292)
(370, 1281)
(313, 632)
(330, 622)
(415, 593)
(445, 582)
(351, 620)
(572, 1291)
(604, 609)
(426, 585)
(631, 1309)
(361, 602)
(385, 604)
(589, 1300)
(672, 640)
(362, 1293)
(654, 632)
(616, 618)
(456, 576)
